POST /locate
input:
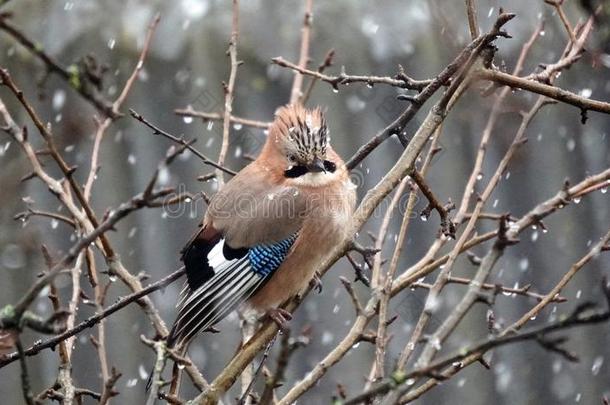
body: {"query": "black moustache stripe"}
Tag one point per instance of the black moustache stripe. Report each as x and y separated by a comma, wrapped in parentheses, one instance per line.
(295, 171)
(300, 170)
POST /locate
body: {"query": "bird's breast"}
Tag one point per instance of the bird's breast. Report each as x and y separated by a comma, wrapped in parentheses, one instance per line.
(324, 227)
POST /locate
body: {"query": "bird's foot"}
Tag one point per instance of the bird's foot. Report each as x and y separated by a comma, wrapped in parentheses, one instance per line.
(316, 283)
(281, 317)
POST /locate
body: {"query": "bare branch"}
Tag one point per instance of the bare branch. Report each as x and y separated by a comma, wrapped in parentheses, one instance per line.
(580, 316)
(555, 93)
(78, 80)
(25, 377)
(557, 4)
(447, 225)
(228, 90)
(205, 116)
(297, 84)
(180, 141)
(103, 125)
(402, 81)
(473, 25)
(352, 294)
(156, 378)
(416, 102)
(495, 288)
(327, 62)
(92, 320)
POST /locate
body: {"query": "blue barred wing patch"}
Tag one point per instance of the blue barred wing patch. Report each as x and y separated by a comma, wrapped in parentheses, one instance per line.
(234, 280)
(264, 259)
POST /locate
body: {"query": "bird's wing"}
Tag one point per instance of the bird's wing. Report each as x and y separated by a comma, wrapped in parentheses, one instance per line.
(254, 207)
(247, 232)
(220, 279)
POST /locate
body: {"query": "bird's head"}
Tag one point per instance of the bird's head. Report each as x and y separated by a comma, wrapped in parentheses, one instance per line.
(298, 138)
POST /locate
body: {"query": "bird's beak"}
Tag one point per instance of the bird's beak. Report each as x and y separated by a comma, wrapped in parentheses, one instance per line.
(316, 166)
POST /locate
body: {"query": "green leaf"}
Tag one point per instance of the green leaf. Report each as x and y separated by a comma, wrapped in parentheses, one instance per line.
(399, 377)
(74, 76)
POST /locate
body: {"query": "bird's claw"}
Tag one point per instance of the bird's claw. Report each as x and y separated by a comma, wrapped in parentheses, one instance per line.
(367, 253)
(281, 317)
(316, 283)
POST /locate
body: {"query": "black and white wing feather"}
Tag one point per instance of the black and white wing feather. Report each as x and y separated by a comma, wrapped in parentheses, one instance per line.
(220, 278)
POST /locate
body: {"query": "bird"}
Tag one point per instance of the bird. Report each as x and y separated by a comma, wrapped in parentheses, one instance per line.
(268, 228)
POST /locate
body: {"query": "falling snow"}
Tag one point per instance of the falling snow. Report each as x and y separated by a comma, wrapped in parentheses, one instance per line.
(59, 99)
(586, 93)
(597, 365)
(524, 264)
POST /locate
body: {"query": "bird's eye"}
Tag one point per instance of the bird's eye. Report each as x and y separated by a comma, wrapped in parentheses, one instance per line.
(292, 158)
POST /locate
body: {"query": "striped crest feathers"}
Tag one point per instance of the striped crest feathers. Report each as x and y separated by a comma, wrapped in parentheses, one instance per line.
(302, 132)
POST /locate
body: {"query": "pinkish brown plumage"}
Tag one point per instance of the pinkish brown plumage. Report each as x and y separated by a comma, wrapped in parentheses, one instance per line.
(268, 229)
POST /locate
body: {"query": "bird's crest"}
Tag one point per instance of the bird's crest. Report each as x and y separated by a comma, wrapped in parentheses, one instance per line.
(306, 129)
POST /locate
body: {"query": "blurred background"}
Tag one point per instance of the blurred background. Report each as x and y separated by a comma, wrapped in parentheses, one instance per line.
(185, 67)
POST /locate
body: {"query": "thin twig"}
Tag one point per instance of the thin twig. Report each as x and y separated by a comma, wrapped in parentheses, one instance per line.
(156, 379)
(386, 292)
(416, 102)
(25, 376)
(447, 225)
(532, 217)
(571, 54)
(471, 12)
(109, 385)
(24, 216)
(423, 266)
(557, 4)
(228, 90)
(350, 290)
(484, 270)
(297, 84)
(556, 93)
(327, 62)
(476, 355)
(77, 80)
(246, 393)
(442, 279)
(180, 141)
(378, 282)
(92, 320)
(579, 317)
(189, 112)
(402, 81)
(288, 346)
(103, 125)
(495, 288)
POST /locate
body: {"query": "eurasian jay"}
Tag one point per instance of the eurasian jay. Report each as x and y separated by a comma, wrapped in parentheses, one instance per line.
(266, 231)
